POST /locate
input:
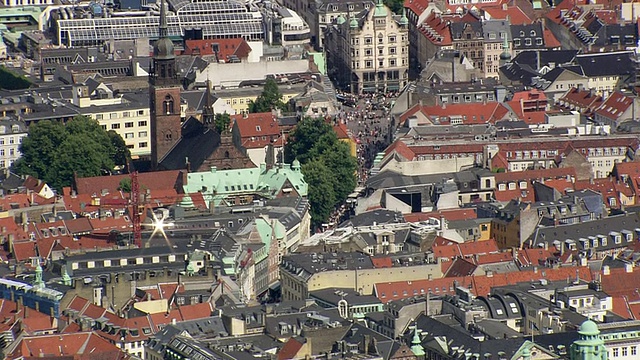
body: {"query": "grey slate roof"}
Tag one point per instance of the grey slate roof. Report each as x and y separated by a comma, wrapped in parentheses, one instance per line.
(196, 144)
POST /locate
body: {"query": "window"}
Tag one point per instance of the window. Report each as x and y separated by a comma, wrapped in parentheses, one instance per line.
(624, 351)
(167, 104)
(125, 114)
(633, 350)
(538, 41)
(113, 116)
(142, 144)
(368, 64)
(140, 112)
(516, 42)
(142, 123)
(616, 352)
(99, 116)
(104, 127)
(115, 126)
(142, 134)
(128, 124)
(392, 39)
(128, 135)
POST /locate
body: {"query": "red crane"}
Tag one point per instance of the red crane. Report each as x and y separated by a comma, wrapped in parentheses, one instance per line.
(136, 209)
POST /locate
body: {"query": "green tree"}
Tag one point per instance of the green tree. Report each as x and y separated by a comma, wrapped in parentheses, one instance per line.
(11, 81)
(321, 195)
(314, 143)
(55, 152)
(222, 122)
(125, 185)
(121, 154)
(270, 99)
(395, 5)
(39, 149)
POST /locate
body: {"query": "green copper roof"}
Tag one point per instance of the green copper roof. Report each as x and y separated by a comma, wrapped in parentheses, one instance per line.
(380, 10)
(217, 185)
(354, 23)
(340, 20)
(404, 21)
(416, 346)
(506, 55)
(588, 328)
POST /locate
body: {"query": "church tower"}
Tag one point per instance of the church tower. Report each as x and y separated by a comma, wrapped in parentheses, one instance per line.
(164, 94)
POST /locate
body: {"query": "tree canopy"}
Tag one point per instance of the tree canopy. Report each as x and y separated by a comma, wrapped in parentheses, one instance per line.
(53, 152)
(270, 99)
(327, 165)
(222, 122)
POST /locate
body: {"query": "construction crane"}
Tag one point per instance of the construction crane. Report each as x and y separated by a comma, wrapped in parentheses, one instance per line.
(136, 209)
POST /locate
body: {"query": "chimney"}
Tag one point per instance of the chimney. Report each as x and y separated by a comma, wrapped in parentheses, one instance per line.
(628, 267)
(605, 270)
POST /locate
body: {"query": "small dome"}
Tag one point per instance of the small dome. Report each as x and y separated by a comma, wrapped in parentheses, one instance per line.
(163, 49)
(589, 328)
(505, 56)
(341, 20)
(296, 164)
(354, 23)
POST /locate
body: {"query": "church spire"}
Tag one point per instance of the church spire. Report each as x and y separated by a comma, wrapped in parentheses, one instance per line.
(163, 21)
(164, 46)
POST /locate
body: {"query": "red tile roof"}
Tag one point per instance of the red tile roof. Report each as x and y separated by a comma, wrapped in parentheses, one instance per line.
(550, 40)
(479, 285)
(515, 15)
(400, 148)
(226, 48)
(81, 346)
(436, 30)
(416, 6)
(8, 226)
(618, 281)
(290, 349)
(451, 215)
(14, 201)
(257, 130)
(576, 99)
(341, 131)
(615, 106)
(106, 224)
(527, 195)
(533, 257)
(382, 262)
(621, 307)
(477, 113)
(157, 180)
(493, 258)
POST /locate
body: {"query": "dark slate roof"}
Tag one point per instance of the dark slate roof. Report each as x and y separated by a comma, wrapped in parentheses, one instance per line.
(607, 64)
(604, 227)
(626, 34)
(197, 144)
(547, 57)
(527, 31)
(514, 71)
(376, 217)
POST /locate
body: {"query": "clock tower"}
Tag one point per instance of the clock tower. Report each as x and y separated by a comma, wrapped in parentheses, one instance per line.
(164, 94)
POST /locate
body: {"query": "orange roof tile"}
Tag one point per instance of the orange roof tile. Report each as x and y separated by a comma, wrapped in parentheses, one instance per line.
(257, 130)
(476, 113)
(550, 40)
(614, 106)
(84, 345)
(290, 349)
(157, 180)
(450, 215)
(513, 13)
(227, 48)
(382, 262)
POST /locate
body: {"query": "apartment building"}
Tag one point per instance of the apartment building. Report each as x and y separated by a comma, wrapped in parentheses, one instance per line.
(370, 51)
(11, 134)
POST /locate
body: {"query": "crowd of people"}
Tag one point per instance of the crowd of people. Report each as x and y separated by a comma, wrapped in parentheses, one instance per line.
(367, 116)
(369, 121)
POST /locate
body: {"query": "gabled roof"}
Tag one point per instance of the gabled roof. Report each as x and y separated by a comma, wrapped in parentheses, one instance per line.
(400, 148)
(615, 106)
(196, 144)
(514, 14)
(258, 130)
(580, 99)
(417, 6)
(83, 345)
(619, 63)
(538, 174)
(149, 180)
(436, 30)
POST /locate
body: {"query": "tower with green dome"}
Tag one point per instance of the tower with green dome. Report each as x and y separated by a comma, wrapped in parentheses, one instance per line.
(590, 346)
(416, 344)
